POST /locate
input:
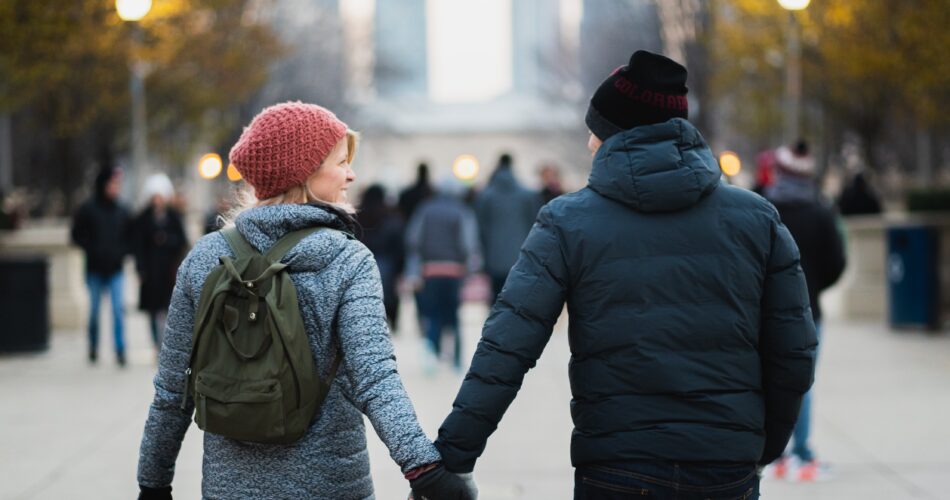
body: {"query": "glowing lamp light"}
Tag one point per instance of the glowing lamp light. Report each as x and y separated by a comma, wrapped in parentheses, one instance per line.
(209, 166)
(233, 174)
(794, 4)
(132, 10)
(730, 163)
(465, 167)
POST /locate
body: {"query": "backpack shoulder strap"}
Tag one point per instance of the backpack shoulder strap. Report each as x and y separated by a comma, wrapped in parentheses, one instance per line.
(240, 246)
(289, 241)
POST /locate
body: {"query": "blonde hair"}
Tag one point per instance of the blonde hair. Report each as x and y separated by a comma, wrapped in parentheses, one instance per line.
(244, 198)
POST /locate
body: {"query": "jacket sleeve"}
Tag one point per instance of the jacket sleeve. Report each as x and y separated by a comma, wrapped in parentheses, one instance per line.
(79, 233)
(787, 341)
(413, 267)
(513, 338)
(370, 366)
(167, 422)
(470, 241)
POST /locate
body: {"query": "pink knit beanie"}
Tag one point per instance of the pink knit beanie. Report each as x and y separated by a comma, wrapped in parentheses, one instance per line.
(284, 144)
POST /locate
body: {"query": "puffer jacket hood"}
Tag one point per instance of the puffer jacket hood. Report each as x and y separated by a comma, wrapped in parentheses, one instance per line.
(665, 167)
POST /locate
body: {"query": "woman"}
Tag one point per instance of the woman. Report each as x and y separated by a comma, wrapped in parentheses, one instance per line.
(297, 159)
(159, 244)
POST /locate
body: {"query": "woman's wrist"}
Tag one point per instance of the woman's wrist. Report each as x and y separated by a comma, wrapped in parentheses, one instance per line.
(418, 471)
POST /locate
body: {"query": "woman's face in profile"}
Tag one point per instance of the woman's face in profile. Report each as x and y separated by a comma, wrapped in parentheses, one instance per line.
(331, 181)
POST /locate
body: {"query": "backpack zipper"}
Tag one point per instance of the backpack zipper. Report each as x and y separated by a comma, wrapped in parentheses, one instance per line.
(184, 389)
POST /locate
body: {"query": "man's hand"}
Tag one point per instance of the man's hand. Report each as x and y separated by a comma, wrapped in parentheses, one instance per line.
(440, 484)
(146, 493)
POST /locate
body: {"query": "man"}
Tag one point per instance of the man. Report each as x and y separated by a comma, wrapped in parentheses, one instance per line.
(691, 338)
(100, 228)
(419, 191)
(812, 223)
(506, 211)
(441, 250)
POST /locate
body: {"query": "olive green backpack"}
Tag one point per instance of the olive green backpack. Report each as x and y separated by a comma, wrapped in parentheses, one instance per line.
(251, 370)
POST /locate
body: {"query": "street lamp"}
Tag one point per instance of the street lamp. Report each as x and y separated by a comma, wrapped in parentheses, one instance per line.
(465, 168)
(793, 67)
(133, 11)
(209, 166)
(730, 163)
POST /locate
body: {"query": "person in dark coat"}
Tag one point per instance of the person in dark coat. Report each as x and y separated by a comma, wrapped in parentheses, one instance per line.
(101, 228)
(691, 338)
(550, 183)
(813, 224)
(411, 197)
(159, 246)
(382, 233)
(441, 250)
(506, 212)
(858, 197)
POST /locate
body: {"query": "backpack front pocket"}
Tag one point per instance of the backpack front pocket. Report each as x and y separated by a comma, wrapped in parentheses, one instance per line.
(247, 410)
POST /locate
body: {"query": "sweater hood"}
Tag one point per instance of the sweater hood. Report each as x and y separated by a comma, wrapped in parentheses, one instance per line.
(264, 226)
(663, 167)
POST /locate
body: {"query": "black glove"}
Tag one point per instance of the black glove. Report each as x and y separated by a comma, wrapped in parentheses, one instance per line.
(146, 493)
(439, 484)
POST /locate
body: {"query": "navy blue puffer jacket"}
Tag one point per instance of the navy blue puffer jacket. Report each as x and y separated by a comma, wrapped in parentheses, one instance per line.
(690, 329)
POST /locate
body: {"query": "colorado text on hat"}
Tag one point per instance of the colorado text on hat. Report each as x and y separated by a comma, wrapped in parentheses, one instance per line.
(650, 97)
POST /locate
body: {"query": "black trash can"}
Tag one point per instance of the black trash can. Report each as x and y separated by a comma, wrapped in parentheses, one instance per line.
(24, 309)
(913, 276)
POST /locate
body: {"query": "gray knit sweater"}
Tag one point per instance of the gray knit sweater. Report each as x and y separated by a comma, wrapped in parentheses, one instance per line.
(336, 279)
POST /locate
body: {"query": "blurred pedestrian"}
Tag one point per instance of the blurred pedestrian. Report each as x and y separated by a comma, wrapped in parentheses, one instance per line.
(812, 223)
(159, 244)
(409, 200)
(442, 249)
(551, 186)
(691, 342)
(764, 171)
(419, 191)
(506, 212)
(101, 228)
(297, 159)
(858, 197)
(214, 217)
(382, 232)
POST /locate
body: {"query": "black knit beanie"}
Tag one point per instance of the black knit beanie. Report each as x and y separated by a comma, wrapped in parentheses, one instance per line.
(650, 89)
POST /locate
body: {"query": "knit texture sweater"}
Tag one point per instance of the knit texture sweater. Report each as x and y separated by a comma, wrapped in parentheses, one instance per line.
(340, 298)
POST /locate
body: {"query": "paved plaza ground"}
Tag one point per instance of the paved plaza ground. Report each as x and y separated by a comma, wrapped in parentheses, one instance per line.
(882, 408)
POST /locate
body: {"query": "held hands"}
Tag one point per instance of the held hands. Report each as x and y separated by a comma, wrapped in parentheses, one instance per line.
(440, 484)
(146, 493)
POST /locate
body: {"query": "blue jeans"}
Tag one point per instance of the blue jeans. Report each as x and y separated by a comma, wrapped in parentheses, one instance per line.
(802, 431)
(97, 283)
(666, 481)
(440, 304)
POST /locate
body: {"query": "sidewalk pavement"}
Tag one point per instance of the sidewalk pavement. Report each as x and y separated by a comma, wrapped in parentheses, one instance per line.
(882, 402)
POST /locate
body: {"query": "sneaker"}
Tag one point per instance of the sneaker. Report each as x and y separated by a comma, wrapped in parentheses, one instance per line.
(430, 361)
(120, 357)
(93, 357)
(813, 471)
(778, 469)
